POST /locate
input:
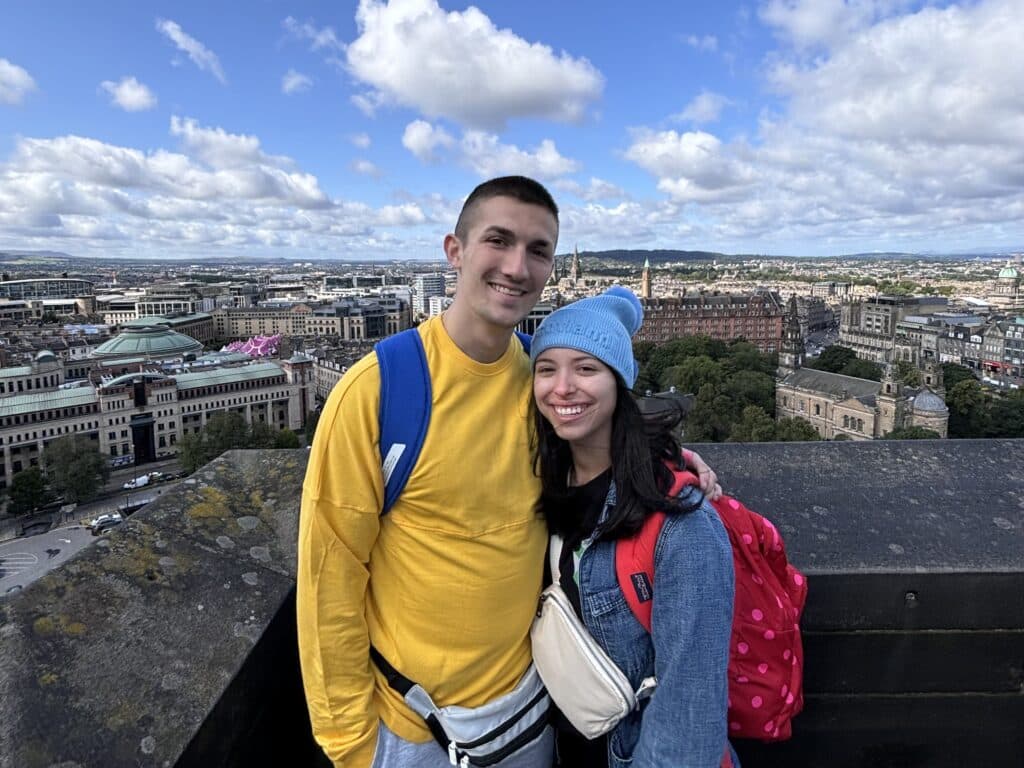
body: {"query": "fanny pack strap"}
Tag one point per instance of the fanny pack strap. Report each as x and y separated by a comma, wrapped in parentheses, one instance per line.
(404, 685)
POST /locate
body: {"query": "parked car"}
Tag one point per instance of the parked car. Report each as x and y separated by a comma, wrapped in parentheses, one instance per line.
(104, 523)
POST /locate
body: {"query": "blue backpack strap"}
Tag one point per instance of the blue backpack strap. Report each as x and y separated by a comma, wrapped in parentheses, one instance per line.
(405, 398)
(404, 414)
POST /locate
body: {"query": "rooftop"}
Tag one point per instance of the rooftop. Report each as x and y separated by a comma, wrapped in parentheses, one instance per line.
(171, 642)
(151, 341)
(16, 405)
(251, 372)
(834, 384)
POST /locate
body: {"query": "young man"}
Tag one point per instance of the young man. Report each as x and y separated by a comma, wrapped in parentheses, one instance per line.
(445, 585)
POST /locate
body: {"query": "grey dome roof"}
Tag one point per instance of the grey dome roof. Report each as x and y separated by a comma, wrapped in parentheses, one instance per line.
(929, 402)
(155, 342)
(44, 355)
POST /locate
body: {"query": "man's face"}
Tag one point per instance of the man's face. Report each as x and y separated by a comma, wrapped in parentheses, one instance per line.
(505, 260)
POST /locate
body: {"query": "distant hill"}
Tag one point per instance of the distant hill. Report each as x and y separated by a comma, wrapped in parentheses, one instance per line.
(46, 255)
(656, 257)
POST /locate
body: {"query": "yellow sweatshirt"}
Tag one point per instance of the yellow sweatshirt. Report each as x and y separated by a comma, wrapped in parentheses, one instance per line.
(445, 585)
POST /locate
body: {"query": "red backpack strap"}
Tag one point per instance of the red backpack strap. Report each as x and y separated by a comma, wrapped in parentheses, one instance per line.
(634, 556)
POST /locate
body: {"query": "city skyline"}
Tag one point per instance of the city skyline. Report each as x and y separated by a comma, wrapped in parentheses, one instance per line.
(352, 131)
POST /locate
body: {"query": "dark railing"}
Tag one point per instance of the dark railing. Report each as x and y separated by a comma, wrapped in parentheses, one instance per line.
(172, 641)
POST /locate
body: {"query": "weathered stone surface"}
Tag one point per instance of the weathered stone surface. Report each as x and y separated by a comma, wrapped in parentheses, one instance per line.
(118, 657)
(885, 506)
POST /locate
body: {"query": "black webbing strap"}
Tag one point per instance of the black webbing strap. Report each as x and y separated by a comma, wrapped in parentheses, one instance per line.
(403, 684)
(395, 679)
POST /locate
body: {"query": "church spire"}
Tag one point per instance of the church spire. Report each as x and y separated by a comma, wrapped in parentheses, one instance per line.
(645, 280)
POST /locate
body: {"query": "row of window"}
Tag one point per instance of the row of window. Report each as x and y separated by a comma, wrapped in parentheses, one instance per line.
(51, 432)
(22, 385)
(57, 413)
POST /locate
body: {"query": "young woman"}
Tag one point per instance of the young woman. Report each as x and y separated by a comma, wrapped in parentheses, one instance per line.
(604, 469)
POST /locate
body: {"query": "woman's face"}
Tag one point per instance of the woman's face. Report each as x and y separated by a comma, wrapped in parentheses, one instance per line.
(576, 393)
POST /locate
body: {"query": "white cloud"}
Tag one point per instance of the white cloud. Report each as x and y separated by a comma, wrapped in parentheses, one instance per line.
(295, 82)
(900, 129)
(485, 154)
(423, 140)
(702, 43)
(129, 94)
(365, 168)
(220, 191)
(460, 66)
(706, 107)
(361, 140)
(15, 83)
(595, 190)
(201, 56)
(319, 39)
(809, 23)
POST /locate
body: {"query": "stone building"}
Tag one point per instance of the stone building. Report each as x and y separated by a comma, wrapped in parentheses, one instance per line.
(141, 397)
(869, 326)
(860, 409)
(756, 317)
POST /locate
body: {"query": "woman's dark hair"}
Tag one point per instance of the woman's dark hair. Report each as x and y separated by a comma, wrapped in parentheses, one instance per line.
(641, 446)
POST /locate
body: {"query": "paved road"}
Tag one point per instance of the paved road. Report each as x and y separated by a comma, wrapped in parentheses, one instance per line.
(22, 561)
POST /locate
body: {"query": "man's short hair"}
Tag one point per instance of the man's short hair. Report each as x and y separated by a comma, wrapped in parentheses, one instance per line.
(517, 187)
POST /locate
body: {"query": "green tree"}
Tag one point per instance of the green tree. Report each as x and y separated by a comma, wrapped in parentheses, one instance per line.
(751, 387)
(28, 491)
(1006, 416)
(676, 352)
(967, 409)
(754, 426)
(192, 452)
(908, 373)
(953, 374)
(75, 468)
(792, 430)
(862, 369)
(693, 373)
(261, 435)
(710, 417)
(911, 433)
(744, 356)
(833, 359)
(226, 431)
(285, 438)
(311, 423)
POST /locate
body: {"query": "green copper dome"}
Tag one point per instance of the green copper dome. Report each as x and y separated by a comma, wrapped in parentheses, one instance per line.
(1008, 272)
(156, 342)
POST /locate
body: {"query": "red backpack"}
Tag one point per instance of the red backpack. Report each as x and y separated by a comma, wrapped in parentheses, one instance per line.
(765, 651)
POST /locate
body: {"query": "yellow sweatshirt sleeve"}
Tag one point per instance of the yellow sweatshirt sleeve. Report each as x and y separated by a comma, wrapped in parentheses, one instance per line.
(338, 526)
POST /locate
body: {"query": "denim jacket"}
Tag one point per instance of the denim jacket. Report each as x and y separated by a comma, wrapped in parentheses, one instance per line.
(683, 724)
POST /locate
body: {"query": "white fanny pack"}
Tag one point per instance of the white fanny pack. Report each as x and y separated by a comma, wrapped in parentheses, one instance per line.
(479, 736)
(589, 689)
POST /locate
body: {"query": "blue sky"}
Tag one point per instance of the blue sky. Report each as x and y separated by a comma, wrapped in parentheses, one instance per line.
(354, 129)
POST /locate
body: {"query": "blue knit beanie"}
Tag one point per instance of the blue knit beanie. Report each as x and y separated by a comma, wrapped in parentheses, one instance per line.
(602, 326)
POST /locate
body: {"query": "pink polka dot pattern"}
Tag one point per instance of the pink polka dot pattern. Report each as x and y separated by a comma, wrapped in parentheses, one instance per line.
(769, 634)
(757, 614)
(742, 679)
(734, 726)
(756, 702)
(742, 648)
(789, 699)
(769, 727)
(762, 668)
(784, 691)
(798, 579)
(734, 504)
(786, 654)
(757, 579)
(748, 539)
